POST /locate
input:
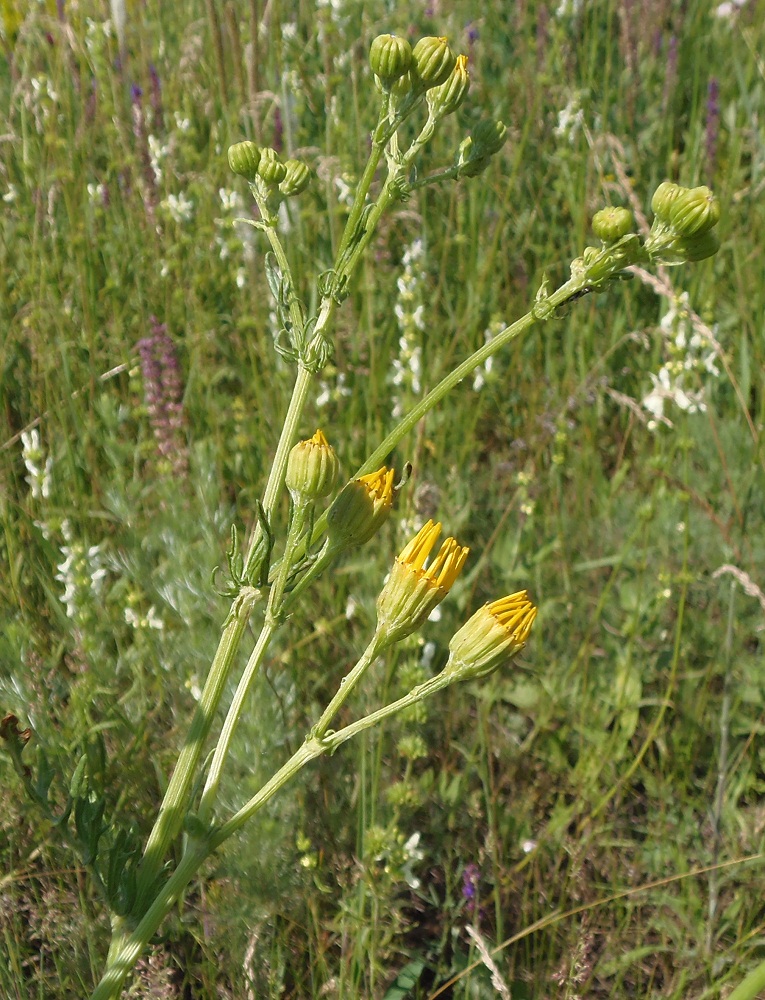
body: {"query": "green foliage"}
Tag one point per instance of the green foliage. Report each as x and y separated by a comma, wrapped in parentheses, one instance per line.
(589, 771)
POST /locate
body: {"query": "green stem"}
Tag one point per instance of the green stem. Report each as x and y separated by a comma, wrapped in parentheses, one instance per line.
(309, 751)
(210, 793)
(175, 802)
(298, 521)
(332, 741)
(279, 465)
(347, 684)
(539, 313)
(363, 188)
(128, 951)
(751, 987)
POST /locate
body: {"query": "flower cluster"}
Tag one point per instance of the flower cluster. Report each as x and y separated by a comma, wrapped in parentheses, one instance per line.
(82, 571)
(406, 374)
(683, 378)
(38, 464)
(163, 392)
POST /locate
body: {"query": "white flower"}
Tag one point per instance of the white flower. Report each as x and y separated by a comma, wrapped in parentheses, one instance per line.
(181, 123)
(180, 208)
(412, 854)
(11, 194)
(230, 200)
(38, 465)
(570, 119)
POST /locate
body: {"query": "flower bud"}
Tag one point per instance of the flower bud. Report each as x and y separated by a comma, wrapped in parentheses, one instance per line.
(697, 247)
(494, 634)
(389, 57)
(360, 509)
(296, 179)
(312, 469)
(433, 61)
(403, 86)
(447, 98)
(243, 158)
(412, 591)
(271, 169)
(611, 224)
(488, 138)
(662, 200)
(694, 211)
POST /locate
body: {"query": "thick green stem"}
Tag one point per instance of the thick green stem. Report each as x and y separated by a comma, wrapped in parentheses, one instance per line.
(175, 802)
(126, 954)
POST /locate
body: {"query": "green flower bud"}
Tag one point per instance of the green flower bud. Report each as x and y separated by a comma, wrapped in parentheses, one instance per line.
(697, 247)
(433, 61)
(488, 138)
(610, 224)
(360, 509)
(271, 169)
(447, 98)
(663, 196)
(296, 179)
(403, 86)
(390, 57)
(312, 469)
(694, 211)
(243, 158)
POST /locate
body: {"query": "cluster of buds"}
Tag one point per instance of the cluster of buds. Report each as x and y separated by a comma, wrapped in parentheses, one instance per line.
(684, 224)
(266, 172)
(401, 70)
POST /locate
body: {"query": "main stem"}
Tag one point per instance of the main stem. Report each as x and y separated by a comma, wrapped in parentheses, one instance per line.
(173, 808)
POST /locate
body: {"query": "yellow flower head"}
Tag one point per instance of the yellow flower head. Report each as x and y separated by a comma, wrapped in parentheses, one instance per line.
(361, 508)
(494, 634)
(413, 590)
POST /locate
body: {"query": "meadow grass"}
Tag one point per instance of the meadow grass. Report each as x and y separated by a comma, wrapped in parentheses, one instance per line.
(579, 802)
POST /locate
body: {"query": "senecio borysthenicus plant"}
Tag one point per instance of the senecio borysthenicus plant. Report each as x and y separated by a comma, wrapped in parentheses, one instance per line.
(268, 576)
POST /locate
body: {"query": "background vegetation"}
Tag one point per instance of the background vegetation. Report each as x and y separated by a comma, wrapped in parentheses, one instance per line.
(626, 751)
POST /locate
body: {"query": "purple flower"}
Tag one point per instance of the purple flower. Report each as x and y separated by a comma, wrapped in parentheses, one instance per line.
(163, 393)
(471, 875)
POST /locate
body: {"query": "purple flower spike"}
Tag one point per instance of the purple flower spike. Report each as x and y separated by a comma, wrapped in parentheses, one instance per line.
(163, 393)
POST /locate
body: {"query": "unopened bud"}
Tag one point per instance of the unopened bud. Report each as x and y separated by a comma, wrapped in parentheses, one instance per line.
(271, 169)
(389, 57)
(694, 211)
(433, 61)
(243, 158)
(446, 98)
(312, 468)
(662, 200)
(297, 178)
(698, 247)
(360, 509)
(488, 138)
(612, 223)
